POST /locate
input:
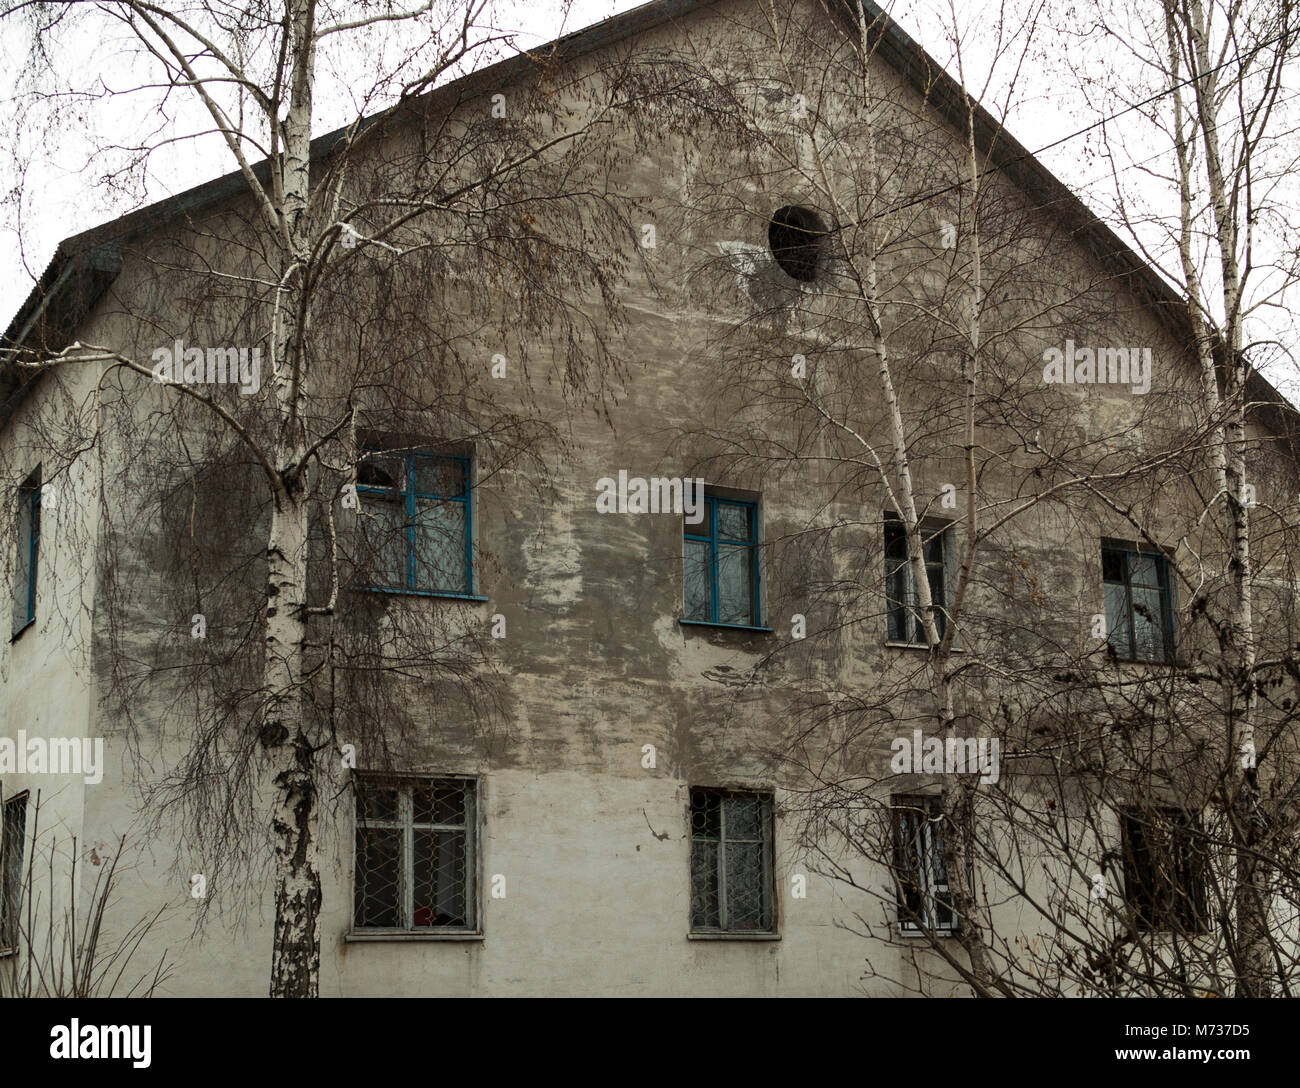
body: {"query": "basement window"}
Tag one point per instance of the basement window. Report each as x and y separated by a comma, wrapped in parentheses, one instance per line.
(797, 238)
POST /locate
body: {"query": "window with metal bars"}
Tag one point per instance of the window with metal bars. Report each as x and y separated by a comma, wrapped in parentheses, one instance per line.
(416, 855)
(13, 833)
(28, 538)
(415, 522)
(731, 862)
(1139, 612)
(924, 900)
(721, 564)
(905, 624)
(1164, 862)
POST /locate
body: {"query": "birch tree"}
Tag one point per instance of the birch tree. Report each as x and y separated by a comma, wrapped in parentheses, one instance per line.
(1214, 215)
(946, 268)
(477, 199)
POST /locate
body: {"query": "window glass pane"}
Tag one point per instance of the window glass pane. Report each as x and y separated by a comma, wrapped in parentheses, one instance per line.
(1112, 565)
(440, 891)
(705, 815)
(1148, 624)
(440, 802)
(734, 521)
(379, 470)
(704, 885)
(898, 588)
(904, 616)
(895, 541)
(698, 604)
(382, 526)
(1146, 871)
(744, 817)
(440, 562)
(746, 894)
(378, 885)
(944, 916)
(376, 802)
(934, 841)
(935, 575)
(735, 584)
(1144, 569)
(23, 560)
(444, 476)
(1117, 615)
(908, 859)
(1190, 875)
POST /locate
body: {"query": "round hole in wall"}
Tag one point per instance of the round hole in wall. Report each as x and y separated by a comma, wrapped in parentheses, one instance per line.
(797, 237)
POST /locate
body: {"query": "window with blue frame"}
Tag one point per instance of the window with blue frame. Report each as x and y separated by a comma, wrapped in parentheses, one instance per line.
(28, 536)
(1139, 603)
(721, 564)
(415, 522)
(905, 621)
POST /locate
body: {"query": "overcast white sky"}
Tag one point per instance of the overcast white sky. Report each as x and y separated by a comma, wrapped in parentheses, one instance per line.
(62, 193)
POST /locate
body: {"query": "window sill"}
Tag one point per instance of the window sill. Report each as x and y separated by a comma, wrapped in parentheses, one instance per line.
(19, 633)
(733, 936)
(6, 952)
(920, 934)
(408, 935)
(725, 626)
(419, 593)
(1170, 933)
(890, 644)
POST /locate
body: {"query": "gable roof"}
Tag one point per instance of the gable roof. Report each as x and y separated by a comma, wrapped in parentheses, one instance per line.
(85, 265)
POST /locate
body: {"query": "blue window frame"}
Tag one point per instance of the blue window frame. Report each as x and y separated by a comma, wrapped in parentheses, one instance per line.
(905, 621)
(28, 538)
(1139, 603)
(416, 522)
(721, 560)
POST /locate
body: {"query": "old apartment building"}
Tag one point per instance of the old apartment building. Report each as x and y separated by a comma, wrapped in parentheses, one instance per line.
(617, 667)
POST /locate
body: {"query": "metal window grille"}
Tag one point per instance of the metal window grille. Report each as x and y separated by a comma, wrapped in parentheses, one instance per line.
(28, 536)
(416, 854)
(416, 522)
(925, 903)
(905, 622)
(13, 831)
(1139, 613)
(1164, 861)
(721, 564)
(731, 862)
